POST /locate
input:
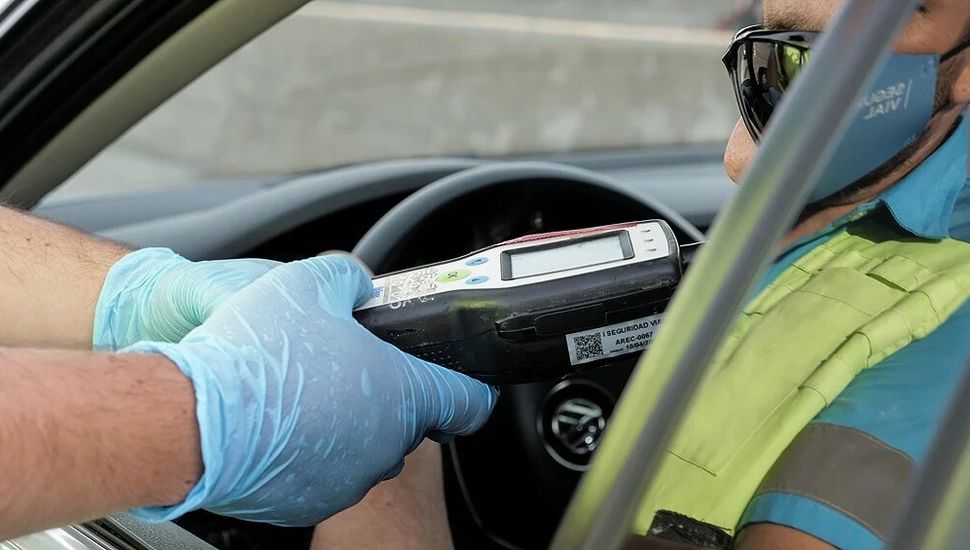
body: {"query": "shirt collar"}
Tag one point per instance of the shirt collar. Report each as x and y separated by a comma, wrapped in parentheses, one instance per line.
(922, 202)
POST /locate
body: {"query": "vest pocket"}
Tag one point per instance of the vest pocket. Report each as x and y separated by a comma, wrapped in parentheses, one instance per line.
(787, 349)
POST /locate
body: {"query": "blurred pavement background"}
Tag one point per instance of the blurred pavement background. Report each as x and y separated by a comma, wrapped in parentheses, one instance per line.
(343, 82)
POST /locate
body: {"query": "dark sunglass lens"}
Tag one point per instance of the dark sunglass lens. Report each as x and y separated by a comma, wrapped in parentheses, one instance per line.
(765, 70)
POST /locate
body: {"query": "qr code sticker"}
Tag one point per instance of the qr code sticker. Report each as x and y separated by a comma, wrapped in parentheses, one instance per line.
(588, 347)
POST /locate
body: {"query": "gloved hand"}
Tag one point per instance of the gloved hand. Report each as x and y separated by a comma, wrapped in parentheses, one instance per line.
(155, 294)
(302, 410)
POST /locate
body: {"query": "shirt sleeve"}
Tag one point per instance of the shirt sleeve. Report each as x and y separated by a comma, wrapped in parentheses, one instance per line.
(845, 475)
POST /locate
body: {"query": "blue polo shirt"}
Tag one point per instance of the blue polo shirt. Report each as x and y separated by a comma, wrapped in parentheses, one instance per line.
(868, 444)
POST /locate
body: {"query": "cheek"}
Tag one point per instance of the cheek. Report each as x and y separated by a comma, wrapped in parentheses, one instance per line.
(740, 150)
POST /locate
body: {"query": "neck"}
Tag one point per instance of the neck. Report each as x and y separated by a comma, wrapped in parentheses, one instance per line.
(818, 219)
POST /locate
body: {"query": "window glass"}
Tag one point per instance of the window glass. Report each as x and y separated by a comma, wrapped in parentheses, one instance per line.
(343, 82)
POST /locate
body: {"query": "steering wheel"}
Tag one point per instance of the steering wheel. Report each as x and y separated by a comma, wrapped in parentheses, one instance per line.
(376, 248)
(509, 483)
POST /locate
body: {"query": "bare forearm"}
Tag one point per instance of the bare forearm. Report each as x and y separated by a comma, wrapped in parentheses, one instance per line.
(768, 536)
(407, 512)
(50, 279)
(84, 434)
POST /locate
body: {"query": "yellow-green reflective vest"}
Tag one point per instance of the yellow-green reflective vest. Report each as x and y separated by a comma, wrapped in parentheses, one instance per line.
(843, 307)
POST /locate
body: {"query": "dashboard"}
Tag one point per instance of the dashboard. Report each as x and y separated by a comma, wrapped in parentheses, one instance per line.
(508, 484)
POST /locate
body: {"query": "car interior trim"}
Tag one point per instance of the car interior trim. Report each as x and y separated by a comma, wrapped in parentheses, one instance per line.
(188, 53)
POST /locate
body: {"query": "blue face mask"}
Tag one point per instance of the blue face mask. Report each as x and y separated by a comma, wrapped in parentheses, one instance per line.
(891, 116)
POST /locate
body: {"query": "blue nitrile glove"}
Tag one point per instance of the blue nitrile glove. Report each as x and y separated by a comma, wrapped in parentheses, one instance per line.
(155, 294)
(301, 410)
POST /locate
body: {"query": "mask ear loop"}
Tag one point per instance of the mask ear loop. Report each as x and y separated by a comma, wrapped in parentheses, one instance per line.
(950, 54)
(956, 50)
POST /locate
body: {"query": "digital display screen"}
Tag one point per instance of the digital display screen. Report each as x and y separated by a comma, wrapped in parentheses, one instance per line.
(570, 255)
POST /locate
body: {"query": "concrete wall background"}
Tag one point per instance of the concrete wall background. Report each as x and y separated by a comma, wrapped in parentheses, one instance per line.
(344, 82)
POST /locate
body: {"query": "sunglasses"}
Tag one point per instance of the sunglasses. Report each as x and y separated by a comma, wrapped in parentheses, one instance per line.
(763, 64)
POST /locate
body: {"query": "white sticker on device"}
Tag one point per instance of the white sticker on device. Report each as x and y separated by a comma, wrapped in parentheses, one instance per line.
(612, 340)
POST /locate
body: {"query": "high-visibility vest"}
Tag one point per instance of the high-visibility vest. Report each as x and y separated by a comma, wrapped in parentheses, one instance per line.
(843, 307)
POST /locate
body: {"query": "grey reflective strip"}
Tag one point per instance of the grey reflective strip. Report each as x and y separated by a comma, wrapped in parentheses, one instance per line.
(848, 470)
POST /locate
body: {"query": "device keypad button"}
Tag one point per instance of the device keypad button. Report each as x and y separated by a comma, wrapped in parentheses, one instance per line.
(453, 276)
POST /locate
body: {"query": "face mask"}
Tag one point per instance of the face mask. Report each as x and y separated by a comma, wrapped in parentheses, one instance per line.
(891, 116)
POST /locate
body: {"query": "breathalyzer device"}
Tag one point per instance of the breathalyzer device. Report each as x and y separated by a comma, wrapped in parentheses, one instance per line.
(535, 308)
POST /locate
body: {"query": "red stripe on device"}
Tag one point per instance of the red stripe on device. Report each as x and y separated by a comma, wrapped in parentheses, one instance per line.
(571, 233)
